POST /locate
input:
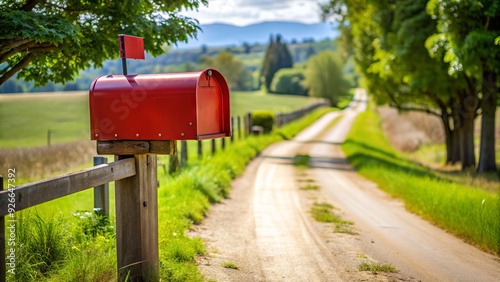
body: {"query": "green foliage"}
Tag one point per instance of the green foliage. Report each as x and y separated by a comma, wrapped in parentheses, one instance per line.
(263, 118)
(50, 41)
(81, 248)
(89, 261)
(289, 81)
(91, 224)
(466, 211)
(277, 57)
(325, 78)
(42, 245)
(231, 67)
(432, 56)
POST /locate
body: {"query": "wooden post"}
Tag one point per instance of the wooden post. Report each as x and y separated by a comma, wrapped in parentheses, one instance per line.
(101, 192)
(250, 123)
(245, 126)
(239, 127)
(214, 149)
(49, 133)
(223, 143)
(173, 161)
(137, 221)
(200, 149)
(3, 266)
(232, 129)
(184, 153)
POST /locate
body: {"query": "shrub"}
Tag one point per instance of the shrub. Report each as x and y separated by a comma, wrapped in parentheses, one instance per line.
(289, 81)
(264, 119)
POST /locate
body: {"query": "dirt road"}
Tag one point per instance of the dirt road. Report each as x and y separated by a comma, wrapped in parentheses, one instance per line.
(267, 231)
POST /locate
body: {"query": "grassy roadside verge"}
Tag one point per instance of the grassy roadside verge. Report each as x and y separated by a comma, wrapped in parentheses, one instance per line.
(467, 211)
(185, 198)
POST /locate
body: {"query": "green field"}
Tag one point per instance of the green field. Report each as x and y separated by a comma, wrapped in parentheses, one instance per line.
(26, 119)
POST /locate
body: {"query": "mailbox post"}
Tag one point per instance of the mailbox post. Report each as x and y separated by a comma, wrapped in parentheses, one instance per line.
(141, 116)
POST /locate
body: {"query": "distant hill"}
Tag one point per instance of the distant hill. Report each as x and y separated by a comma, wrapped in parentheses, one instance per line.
(227, 35)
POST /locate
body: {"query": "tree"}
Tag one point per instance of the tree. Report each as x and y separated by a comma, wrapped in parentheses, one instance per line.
(229, 66)
(277, 57)
(467, 30)
(289, 81)
(246, 47)
(388, 39)
(420, 82)
(324, 77)
(45, 41)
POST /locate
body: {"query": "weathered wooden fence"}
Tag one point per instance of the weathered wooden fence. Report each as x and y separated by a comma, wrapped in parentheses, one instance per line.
(284, 118)
(136, 184)
(241, 130)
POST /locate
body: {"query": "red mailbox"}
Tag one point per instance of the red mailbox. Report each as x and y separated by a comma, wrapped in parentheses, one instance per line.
(174, 106)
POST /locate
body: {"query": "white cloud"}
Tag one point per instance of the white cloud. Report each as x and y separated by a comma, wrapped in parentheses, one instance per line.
(245, 12)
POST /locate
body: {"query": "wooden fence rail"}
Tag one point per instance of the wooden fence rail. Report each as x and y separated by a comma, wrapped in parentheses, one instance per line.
(39, 192)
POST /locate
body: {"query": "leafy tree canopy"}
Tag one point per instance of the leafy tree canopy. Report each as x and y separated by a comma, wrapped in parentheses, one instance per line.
(43, 40)
(324, 77)
(227, 64)
(277, 57)
(289, 81)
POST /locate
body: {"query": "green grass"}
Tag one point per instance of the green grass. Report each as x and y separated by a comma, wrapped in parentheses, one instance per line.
(465, 210)
(230, 265)
(27, 118)
(301, 161)
(376, 267)
(323, 212)
(80, 248)
(309, 187)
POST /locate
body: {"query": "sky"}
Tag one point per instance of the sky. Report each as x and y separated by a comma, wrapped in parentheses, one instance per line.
(246, 12)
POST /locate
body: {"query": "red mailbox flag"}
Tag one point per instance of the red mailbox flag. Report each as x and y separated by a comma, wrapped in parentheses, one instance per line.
(131, 47)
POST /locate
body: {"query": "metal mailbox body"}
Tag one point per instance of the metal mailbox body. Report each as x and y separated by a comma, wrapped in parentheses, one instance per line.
(174, 106)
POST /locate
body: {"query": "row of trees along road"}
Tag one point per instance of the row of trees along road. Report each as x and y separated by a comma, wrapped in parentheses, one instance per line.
(436, 56)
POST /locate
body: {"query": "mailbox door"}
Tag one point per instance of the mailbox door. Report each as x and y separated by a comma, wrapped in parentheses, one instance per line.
(212, 106)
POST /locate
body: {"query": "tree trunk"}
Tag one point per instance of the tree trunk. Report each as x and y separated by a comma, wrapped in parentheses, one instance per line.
(448, 134)
(487, 161)
(455, 146)
(173, 161)
(451, 134)
(467, 153)
(468, 107)
(455, 135)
